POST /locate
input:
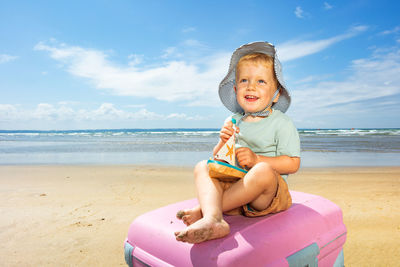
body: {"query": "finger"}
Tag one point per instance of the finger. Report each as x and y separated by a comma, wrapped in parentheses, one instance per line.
(243, 163)
(242, 150)
(241, 158)
(225, 136)
(228, 131)
(228, 123)
(238, 150)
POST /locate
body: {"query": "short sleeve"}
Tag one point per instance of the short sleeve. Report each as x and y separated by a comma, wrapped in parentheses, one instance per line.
(288, 140)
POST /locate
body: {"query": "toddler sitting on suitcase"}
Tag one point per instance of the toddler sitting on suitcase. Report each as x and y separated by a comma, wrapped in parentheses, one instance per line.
(267, 146)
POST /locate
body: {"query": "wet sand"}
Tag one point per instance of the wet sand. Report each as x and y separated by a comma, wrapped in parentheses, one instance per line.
(80, 215)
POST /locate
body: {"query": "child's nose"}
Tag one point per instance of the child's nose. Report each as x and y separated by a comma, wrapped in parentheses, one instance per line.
(251, 86)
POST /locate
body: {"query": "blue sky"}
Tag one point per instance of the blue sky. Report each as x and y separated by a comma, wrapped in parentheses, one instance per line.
(157, 64)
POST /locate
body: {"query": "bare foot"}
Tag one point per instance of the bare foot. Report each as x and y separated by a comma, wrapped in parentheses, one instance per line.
(202, 230)
(190, 216)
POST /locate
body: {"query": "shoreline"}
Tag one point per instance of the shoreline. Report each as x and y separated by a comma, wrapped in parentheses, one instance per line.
(188, 166)
(189, 159)
(80, 214)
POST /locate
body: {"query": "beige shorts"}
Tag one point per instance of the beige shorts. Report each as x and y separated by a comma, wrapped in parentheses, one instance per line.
(282, 201)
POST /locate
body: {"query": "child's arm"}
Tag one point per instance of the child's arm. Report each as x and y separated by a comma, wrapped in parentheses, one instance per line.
(226, 132)
(282, 164)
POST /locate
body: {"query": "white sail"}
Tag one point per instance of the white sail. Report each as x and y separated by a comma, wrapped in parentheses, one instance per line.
(227, 152)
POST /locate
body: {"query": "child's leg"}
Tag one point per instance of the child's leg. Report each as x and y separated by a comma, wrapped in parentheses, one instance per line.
(212, 225)
(258, 188)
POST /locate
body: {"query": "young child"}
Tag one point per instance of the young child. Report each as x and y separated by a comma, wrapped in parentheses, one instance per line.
(268, 147)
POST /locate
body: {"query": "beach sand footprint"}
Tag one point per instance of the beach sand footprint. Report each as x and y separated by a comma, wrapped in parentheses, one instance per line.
(123, 192)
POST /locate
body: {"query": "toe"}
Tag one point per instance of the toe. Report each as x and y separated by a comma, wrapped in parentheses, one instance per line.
(185, 220)
(181, 235)
(180, 214)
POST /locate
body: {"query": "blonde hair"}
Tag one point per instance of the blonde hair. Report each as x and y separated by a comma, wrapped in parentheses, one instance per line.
(257, 58)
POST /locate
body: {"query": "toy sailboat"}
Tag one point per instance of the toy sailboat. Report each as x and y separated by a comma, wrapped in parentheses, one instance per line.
(224, 166)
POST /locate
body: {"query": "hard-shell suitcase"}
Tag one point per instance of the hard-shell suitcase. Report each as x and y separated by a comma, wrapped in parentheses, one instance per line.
(310, 233)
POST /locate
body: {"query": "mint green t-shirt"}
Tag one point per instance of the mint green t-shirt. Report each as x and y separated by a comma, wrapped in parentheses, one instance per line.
(272, 136)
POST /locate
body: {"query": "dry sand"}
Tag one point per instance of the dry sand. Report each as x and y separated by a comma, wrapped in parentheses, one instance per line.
(80, 215)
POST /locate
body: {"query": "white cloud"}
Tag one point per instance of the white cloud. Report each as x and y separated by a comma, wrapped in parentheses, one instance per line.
(194, 43)
(327, 6)
(171, 52)
(136, 106)
(185, 75)
(188, 29)
(8, 112)
(392, 31)
(189, 50)
(135, 59)
(312, 78)
(297, 48)
(4, 58)
(63, 111)
(173, 80)
(299, 12)
(369, 80)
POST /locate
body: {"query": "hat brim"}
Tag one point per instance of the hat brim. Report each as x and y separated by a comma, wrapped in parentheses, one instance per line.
(226, 91)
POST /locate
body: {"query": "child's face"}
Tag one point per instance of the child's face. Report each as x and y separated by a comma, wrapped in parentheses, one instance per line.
(255, 86)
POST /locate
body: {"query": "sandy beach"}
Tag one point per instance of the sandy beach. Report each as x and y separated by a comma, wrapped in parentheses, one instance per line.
(80, 215)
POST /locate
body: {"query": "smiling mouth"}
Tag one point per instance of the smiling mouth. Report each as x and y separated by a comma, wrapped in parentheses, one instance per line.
(251, 98)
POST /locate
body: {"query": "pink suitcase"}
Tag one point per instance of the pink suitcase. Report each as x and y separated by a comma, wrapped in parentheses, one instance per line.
(310, 233)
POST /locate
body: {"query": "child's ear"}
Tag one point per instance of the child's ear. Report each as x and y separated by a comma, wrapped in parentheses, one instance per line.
(234, 88)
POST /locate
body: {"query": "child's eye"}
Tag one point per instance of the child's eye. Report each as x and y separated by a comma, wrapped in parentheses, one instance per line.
(261, 81)
(243, 80)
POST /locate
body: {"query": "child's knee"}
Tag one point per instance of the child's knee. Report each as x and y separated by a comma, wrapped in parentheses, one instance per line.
(264, 168)
(200, 167)
(263, 175)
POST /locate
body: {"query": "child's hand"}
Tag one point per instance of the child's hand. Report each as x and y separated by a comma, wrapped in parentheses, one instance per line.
(227, 131)
(246, 157)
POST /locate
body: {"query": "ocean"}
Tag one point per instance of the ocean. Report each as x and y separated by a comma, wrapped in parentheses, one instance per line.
(185, 147)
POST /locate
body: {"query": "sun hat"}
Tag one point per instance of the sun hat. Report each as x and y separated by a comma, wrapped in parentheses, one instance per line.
(227, 93)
